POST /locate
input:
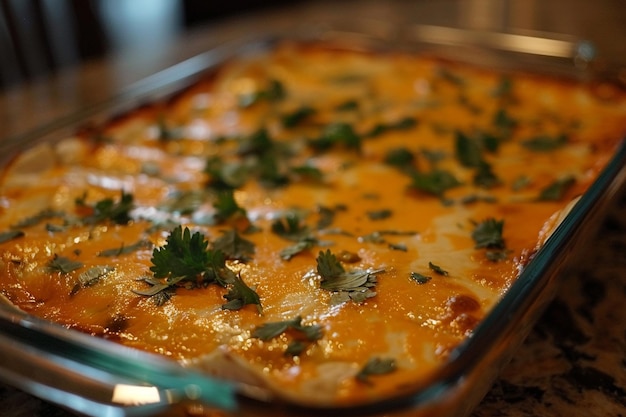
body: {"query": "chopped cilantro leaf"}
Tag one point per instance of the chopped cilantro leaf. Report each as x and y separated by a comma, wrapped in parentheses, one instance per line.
(488, 234)
(10, 235)
(484, 176)
(91, 276)
(297, 116)
(126, 249)
(234, 246)
(435, 182)
(402, 124)
(337, 134)
(348, 105)
(271, 330)
(108, 209)
(45, 214)
(353, 285)
(545, 143)
(226, 207)
(241, 295)
(274, 91)
(419, 278)
(437, 269)
(64, 265)
(224, 175)
(376, 366)
(468, 151)
(297, 248)
(400, 158)
(328, 266)
(556, 190)
(379, 214)
(290, 227)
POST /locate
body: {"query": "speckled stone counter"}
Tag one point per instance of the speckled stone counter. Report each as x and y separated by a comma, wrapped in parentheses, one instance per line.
(574, 361)
(572, 364)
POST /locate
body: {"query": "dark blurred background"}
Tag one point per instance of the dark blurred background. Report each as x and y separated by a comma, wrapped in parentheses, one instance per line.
(38, 37)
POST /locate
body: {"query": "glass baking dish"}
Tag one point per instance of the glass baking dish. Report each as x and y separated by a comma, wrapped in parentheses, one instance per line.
(96, 377)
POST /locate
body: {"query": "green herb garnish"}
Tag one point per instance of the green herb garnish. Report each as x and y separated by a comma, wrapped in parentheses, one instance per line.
(10, 235)
(353, 285)
(545, 143)
(91, 276)
(63, 265)
(419, 278)
(376, 366)
(241, 295)
(437, 269)
(379, 214)
(556, 190)
(303, 335)
(337, 134)
(297, 116)
(435, 182)
(488, 234)
(108, 209)
(274, 91)
(126, 249)
(234, 246)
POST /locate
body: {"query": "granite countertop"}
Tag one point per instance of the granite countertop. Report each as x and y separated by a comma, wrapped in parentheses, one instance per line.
(573, 362)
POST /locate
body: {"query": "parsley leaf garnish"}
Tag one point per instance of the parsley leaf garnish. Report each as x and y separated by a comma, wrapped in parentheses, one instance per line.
(401, 158)
(63, 265)
(379, 214)
(337, 134)
(185, 260)
(274, 91)
(10, 235)
(402, 124)
(437, 269)
(298, 247)
(290, 227)
(224, 176)
(226, 207)
(91, 277)
(488, 234)
(186, 257)
(271, 330)
(376, 366)
(353, 285)
(303, 335)
(297, 116)
(45, 214)
(435, 182)
(108, 209)
(419, 278)
(556, 190)
(545, 143)
(234, 246)
(240, 295)
(126, 249)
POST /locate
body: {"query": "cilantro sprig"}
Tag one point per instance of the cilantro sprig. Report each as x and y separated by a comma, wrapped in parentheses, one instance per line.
(107, 209)
(376, 366)
(356, 285)
(186, 261)
(488, 235)
(302, 334)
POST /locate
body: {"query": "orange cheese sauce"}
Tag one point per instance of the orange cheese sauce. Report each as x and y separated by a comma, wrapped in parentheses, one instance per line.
(387, 101)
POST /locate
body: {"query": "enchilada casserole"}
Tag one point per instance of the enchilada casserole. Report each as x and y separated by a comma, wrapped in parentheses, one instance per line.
(326, 223)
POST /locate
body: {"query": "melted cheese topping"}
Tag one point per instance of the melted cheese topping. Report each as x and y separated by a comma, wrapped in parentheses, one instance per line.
(310, 129)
